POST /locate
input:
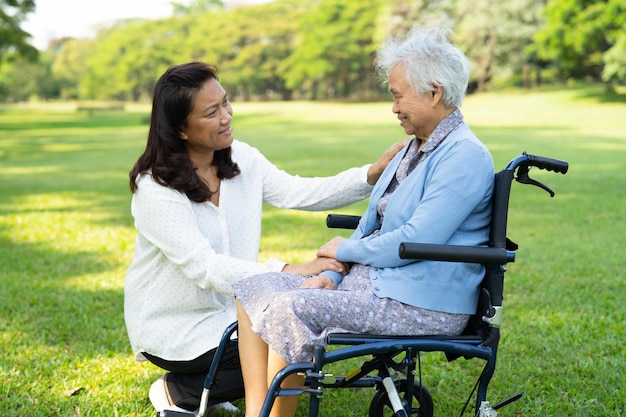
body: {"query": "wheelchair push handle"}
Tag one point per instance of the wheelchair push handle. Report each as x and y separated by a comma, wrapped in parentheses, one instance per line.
(549, 164)
(524, 162)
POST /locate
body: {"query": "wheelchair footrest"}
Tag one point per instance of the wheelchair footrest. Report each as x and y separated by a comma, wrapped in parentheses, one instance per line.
(172, 413)
(508, 401)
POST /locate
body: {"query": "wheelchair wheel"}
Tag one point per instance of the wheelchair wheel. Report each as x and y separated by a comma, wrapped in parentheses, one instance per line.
(421, 404)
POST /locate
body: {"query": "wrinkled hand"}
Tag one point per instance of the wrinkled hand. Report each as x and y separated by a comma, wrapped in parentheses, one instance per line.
(377, 168)
(319, 281)
(317, 265)
(330, 248)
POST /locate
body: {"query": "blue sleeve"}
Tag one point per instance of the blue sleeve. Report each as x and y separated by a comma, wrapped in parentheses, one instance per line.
(335, 276)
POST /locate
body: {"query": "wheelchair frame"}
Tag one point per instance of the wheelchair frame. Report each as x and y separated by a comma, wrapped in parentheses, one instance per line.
(479, 340)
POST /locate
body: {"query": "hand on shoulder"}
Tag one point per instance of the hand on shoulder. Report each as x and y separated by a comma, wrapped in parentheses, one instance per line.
(374, 172)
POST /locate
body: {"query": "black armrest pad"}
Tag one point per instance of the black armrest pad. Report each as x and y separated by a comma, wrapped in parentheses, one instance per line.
(454, 253)
(342, 221)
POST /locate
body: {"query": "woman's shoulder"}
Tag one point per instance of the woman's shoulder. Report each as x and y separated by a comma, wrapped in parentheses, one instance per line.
(148, 186)
(247, 154)
(242, 147)
(465, 141)
(463, 133)
(145, 179)
(463, 149)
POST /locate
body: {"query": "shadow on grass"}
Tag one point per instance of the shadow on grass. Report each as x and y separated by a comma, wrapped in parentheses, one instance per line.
(49, 121)
(602, 96)
(44, 301)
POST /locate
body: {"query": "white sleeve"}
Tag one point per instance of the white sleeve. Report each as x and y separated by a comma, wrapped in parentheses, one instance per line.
(164, 218)
(284, 190)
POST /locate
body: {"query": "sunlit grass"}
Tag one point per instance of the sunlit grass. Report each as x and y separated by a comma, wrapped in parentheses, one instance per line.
(67, 237)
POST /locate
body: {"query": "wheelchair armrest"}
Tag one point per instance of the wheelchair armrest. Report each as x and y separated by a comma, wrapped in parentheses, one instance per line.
(342, 221)
(455, 253)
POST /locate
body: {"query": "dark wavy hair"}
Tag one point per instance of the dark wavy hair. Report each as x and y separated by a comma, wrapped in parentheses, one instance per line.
(166, 153)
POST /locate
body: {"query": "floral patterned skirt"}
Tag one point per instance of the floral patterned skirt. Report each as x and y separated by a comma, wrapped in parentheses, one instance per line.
(293, 320)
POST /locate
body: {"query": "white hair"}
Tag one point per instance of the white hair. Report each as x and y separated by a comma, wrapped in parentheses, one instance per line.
(430, 61)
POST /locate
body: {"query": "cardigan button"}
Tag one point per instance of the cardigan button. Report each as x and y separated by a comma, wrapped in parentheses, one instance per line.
(376, 288)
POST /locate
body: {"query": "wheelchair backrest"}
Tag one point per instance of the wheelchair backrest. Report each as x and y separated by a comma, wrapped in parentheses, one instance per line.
(500, 208)
(492, 286)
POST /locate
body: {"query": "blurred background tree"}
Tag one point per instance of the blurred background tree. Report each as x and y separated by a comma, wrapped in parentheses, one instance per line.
(315, 49)
(13, 40)
(584, 39)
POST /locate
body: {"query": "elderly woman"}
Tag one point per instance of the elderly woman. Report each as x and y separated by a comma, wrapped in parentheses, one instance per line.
(437, 190)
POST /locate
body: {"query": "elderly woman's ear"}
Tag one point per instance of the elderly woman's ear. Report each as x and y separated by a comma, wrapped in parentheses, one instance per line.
(437, 94)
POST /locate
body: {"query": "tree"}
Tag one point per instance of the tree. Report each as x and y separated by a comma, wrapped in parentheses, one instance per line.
(196, 7)
(13, 40)
(317, 48)
(20, 82)
(335, 48)
(398, 16)
(125, 61)
(67, 56)
(578, 34)
(495, 35)
(614, 58)
(261, 49)
(615, 61)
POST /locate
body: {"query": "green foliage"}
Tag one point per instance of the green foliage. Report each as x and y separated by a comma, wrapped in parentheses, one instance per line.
(615, 57)
(123, 63)
(68, 64)
(577, 34)
(257, 52)
(66, 239)
(495, 35)
(13, 40)
(294, 49)
(615, 61)
(17, 82)
(335, 48)
(197, 6)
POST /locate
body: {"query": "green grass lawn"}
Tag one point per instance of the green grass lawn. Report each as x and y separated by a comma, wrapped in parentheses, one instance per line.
(66, 239)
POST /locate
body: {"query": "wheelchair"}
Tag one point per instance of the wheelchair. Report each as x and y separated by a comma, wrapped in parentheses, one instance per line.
(396, 359)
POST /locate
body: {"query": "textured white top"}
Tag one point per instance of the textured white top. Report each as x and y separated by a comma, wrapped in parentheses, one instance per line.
(177, 297)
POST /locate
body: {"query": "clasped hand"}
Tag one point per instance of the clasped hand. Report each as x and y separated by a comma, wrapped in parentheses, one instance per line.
(325, 261)
(327, 254)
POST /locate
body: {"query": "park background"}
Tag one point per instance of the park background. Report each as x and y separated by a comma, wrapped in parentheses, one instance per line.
(548, 78)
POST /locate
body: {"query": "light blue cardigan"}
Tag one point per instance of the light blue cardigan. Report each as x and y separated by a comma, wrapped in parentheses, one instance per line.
(446, 199)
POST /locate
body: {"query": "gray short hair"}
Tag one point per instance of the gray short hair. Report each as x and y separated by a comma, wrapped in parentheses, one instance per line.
(430, 60)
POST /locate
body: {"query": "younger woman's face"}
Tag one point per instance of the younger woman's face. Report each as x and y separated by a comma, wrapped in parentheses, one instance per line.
(208, 125)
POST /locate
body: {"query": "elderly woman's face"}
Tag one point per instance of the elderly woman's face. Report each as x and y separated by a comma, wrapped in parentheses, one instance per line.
(415, 112)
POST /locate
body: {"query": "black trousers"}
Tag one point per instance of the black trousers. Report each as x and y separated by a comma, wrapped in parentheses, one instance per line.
(185, 381)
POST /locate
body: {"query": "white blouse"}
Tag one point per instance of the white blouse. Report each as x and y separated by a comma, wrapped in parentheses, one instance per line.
(177, 296)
